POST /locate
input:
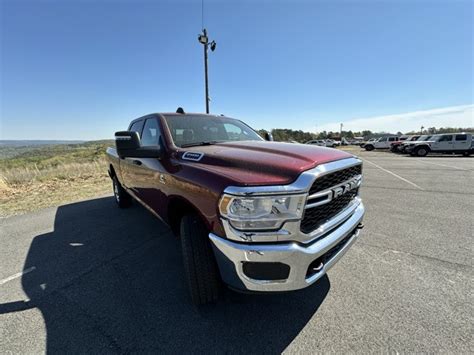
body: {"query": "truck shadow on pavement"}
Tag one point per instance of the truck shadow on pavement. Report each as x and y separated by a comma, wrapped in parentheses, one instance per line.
(111, 280)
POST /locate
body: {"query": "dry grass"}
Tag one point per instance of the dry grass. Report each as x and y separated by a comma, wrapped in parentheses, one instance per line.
(27, 186)
(24, 190)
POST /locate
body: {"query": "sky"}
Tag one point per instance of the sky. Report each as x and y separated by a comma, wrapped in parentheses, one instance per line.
(79, 69)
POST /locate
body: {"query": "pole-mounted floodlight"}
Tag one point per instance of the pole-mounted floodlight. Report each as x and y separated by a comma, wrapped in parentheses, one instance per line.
(204, 40)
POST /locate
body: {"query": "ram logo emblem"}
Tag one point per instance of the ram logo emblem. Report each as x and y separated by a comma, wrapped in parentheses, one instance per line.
(348, 186)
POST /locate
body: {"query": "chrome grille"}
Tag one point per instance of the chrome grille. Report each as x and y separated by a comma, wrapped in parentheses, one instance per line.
(315, 216)
(335, 178)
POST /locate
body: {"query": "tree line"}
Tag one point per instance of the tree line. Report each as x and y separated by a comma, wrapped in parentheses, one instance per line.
(286, 135)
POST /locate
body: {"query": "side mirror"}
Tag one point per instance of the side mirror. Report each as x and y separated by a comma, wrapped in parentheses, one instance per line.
(128, 145)
(268, 136)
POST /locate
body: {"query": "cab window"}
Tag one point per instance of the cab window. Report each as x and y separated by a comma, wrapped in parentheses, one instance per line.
(137, 127)
(447, 138)
(151, 132)
(461, 137)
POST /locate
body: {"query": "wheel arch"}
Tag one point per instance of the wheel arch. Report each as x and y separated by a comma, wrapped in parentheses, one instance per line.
(178, 207)
(426, 146)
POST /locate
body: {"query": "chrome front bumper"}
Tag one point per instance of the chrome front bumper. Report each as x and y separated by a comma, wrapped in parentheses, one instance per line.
(231, 256)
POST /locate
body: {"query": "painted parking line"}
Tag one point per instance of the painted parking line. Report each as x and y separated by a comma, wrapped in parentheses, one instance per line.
(392, 173)
(17, 275)
(446, 166)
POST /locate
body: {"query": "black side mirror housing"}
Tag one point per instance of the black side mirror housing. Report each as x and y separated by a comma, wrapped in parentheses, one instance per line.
(128, 146)
(268, 136)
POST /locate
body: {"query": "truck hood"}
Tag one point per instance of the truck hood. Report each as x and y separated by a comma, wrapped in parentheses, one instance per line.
(261, 162)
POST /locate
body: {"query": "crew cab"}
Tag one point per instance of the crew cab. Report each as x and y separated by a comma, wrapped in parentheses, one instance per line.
(452, 143)
(252, 214)
(381, 143)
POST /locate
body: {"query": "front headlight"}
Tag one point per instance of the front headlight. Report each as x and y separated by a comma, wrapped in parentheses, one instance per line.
(261, 212)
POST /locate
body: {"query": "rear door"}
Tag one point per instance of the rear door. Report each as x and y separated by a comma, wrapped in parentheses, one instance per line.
(461, 142)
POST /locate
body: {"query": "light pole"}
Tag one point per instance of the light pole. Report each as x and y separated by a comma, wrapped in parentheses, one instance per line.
(204, 40)
(421, 131)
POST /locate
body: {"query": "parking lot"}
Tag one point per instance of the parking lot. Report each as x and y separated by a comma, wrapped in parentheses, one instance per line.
(100, 279)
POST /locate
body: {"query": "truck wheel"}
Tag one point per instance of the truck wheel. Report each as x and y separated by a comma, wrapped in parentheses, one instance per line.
(199, 263)
(369, 147)
(466, 154)
(421, 151)
(122, 198)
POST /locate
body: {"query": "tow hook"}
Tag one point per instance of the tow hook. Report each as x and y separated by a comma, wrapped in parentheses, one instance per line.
(360, 225)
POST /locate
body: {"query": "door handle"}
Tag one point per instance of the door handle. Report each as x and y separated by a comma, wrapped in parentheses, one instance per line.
(136, 162)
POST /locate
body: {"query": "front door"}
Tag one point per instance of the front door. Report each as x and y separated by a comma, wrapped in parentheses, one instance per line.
(129, 166)
(381, 143)
(444, 143)
(149, 173)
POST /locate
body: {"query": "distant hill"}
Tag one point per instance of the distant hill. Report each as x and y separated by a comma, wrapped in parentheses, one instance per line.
(27, 143)
(27, 151)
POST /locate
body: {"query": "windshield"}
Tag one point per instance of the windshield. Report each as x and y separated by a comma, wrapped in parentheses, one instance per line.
(424, 138)
(189, 130)
(436, 137)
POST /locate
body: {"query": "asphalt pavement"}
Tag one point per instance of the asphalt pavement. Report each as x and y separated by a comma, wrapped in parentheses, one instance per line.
(89, 277)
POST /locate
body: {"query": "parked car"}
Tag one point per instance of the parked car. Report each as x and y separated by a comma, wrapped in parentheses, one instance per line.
(332, 143)
(397, 145)
(452, 143)
(355, 141)
(256, 215)
(318, 142)
(406, 144)
(381, 143)
(371, 140)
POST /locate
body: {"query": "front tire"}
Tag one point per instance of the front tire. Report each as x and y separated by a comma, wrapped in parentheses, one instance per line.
(122, 198)
(369, 147)
(200, 266)
(421, 151)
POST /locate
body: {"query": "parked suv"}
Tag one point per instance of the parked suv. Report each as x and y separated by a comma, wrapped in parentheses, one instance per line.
(452, 143)
(256, 215)
(381, 143)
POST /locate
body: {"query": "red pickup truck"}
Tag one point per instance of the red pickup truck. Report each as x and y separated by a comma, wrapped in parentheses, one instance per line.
(253, 214)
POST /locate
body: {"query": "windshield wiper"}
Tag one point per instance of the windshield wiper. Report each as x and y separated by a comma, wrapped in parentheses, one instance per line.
(195, 144)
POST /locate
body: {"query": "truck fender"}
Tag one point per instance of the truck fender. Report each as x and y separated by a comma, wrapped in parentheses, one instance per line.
(177, 208)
